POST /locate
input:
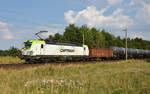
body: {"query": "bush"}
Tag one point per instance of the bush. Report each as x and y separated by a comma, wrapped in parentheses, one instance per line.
(10, 52)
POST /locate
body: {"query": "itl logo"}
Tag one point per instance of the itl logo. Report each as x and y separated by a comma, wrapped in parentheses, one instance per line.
(67, 50)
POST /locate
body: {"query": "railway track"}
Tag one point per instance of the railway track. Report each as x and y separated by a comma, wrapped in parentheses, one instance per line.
(18, 66)
(27, 65)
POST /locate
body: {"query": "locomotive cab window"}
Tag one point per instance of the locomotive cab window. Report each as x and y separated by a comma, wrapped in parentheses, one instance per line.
(42, 46)
(27, 44)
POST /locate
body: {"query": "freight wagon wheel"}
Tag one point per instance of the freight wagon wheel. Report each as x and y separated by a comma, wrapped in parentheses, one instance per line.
(34, 61)
(45, 60)
(27, 61)
(51, 60)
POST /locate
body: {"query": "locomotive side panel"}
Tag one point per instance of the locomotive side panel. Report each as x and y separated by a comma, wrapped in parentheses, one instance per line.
(60, 50)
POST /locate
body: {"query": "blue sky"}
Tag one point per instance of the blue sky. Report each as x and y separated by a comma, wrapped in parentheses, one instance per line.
(20, 19)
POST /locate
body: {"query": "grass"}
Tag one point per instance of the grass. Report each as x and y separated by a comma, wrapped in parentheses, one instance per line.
(125, 77)
(10, 60)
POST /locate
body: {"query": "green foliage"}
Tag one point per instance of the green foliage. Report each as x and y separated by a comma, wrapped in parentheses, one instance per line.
(124, 77)
(10, 60)
(118, 42)
(95, 38)
(50, 37)
(72, 34)
(10, 52)
(58, 37)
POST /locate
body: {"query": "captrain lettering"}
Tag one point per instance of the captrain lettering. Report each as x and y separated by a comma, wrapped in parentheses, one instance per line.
(67, 50)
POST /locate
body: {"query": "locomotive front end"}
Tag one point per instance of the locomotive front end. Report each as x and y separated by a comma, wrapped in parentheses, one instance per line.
(27, 48)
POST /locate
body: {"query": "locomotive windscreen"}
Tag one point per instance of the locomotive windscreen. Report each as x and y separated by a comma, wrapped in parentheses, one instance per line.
(27, 44)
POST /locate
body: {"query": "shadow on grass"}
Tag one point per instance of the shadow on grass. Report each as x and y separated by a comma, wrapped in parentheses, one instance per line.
(148, 60)
(18, 66)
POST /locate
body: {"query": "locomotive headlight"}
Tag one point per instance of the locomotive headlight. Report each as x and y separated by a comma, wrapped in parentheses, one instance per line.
(30, 53)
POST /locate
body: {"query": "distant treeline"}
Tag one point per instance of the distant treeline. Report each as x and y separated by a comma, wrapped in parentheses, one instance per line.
(10, 52)
(95, 38)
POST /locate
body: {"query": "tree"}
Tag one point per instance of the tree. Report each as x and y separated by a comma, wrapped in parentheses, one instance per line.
(11, 52)
(95, 38)
(72, 34)
(109, 38)
(98, 38)
(58, 37)
(50, 37)
(118, 42)
(88, 38)
(14, 52)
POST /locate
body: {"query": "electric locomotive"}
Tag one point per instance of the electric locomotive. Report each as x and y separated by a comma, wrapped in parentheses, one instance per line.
(38, 50)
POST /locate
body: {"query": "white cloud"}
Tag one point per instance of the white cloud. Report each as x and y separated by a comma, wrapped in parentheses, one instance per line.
(3, 24)
(143, 14)
(93, 17)
(136, 35)
(4, 29)
(114, 2)
(132, 3)
(7, 34)
(144, 35)
(117, 14)
(69, 16)
(29, 33)
(132, 34)
(51, 31)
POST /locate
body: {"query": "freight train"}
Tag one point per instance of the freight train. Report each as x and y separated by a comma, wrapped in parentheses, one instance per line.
(40, 50)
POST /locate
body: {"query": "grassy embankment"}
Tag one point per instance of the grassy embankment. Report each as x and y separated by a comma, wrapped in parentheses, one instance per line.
(10, 60)
(131, 77)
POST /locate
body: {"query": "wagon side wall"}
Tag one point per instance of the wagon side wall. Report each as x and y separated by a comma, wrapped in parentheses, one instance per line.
(100, 53)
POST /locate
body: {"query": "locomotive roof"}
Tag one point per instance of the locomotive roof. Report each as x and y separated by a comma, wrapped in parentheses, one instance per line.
(60, 43)
(55, 43)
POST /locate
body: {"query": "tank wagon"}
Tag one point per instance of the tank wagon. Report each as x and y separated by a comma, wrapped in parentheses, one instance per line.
(119, 52)
(40, 50)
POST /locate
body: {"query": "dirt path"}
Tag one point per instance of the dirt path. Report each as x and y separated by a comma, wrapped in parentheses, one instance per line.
(18, 66)
(24, 65)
